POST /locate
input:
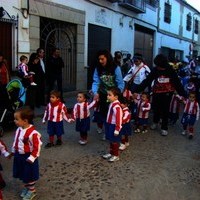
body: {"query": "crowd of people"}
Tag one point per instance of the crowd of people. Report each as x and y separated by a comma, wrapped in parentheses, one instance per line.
(123, 94)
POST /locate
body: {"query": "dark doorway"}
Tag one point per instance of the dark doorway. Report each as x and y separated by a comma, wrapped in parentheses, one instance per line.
(98, 38)
(6, 42)
(61, 35)
(144, 43)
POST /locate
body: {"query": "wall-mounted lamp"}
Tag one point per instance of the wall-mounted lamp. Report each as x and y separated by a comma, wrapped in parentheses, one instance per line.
(121, 23)
(24, 8)
(131, 24)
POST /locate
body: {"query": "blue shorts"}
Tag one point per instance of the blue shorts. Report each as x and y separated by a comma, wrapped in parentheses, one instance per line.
(83, 125)
(55, 128)
(126, 129)
(142, 121)
(25, 171)
(188, 119)
(109, 131)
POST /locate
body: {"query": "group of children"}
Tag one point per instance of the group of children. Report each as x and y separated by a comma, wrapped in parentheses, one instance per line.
(27, 141)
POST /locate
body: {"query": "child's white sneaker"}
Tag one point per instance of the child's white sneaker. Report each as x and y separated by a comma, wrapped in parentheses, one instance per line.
(183, 132)
(164, 132)
(107, 156)
(33, 84)
(137, 130)
(113, 159)
(99, 130)
(122, 147)
(103, 137)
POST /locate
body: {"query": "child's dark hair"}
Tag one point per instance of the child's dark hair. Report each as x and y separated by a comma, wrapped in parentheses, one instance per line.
(116, 92)
(55, 93)
(124, 100)
(23, 57)
(85, 95)
(26, 113)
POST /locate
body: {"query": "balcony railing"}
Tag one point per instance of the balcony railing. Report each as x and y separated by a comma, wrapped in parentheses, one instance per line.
(137, 6)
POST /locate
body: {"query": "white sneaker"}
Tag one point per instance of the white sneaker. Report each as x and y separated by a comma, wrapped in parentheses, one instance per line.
(107, 156)
(127, 144)
(103, 137)
(99, 130)
(164, 132)
(144, 131)
(153, 126)
(113, 159)
(184, 133)
(82, 142)
(122, 147)
(137, 130)
(33, 84)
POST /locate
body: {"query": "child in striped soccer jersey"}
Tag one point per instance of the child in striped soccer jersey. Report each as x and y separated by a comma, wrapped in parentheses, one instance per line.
(143, 108)
(81, 113)
(5, 153)
(54, 113)
(126, 125)
(26, 150)
(190, 115)
(174, 108)
(113, 124)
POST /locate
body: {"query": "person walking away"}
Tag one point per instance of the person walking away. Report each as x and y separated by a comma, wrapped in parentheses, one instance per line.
(26, 150)
(113, 124)
(54, 113)
(54, 68)
(166, 81)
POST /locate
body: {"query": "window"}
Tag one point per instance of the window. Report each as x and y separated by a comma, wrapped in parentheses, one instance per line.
(167, 13)
(196, 26)
(153, 3)
(189, 22)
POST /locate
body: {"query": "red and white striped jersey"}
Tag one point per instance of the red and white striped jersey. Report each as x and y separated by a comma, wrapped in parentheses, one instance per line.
(27, 141)
(55, 113)
(115, 115)
(82, 110)
(3, 149)
(126, 115)
(175, 104)
(127, 94)
(143, 108)
(191, 107)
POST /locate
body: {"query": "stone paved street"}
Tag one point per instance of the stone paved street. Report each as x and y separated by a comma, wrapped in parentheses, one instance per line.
(153, 167)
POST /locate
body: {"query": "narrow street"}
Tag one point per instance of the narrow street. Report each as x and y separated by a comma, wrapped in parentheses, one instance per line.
(153, 167)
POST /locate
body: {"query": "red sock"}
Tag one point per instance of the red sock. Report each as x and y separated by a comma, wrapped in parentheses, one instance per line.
(51, 139)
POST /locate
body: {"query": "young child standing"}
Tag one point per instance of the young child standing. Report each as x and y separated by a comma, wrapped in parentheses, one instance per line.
(113, 124)
(81, 113)
(143, 108)
(190, 115)
(126, 125)
(5, 153)
(54, 113)
(24, 71)
(26, 150)
(174, 108)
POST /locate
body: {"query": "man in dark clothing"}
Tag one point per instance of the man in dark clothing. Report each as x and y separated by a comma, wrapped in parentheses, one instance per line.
(54, 71)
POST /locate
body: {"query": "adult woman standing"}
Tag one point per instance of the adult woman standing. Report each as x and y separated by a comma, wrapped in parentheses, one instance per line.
(165, 83)
(106, 75)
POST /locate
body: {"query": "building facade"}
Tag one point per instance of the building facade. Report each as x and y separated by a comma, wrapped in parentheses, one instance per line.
(81, 27)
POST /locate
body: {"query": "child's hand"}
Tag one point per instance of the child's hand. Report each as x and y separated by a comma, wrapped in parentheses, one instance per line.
(116, 133)
(70, 120)
(29, 161)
